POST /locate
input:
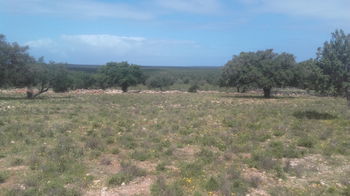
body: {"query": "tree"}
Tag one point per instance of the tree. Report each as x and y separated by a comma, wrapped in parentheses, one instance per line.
(307, 75)
(261, 69)
(160, 81)
(60, 79)
(120, 74)
(18, 68)
(334, 61)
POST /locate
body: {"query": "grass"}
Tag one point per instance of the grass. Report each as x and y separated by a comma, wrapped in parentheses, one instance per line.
(201, 143)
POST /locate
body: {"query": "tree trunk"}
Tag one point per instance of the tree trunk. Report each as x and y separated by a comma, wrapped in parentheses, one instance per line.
(32, 95)
(125, 88)
(30, 92)
(267, 92)
(347, 91)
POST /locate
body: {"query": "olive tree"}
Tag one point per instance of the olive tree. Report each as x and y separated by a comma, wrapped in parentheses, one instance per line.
(120, 74)
(262, 69)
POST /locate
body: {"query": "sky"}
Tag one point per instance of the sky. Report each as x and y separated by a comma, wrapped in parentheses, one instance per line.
(170, 32)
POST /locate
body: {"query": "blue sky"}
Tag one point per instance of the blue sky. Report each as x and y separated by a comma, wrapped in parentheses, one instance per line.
(170, 32)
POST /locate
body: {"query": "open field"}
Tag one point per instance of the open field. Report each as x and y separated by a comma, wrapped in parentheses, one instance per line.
(207, 143)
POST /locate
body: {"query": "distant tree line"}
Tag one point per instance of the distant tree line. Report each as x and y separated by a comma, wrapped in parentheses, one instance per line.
(327, 74)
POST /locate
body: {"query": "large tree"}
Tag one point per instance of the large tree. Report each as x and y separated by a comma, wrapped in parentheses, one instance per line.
(334, 61)
(262, 69)
(120, 74)
(19, 69)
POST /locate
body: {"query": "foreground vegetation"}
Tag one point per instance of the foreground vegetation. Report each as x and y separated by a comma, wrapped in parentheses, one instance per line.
(173, 144)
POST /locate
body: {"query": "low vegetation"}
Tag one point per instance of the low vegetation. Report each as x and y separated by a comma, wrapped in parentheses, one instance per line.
(180, 143)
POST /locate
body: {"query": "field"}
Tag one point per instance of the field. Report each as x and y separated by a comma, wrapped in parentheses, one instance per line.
(173, 143)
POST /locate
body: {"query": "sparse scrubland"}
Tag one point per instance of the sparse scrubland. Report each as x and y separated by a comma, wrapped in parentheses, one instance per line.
(161, 143)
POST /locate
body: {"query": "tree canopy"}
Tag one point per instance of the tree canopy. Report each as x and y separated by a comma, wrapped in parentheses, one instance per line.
(262, 69)
(334, 61)
(19, 69)
(120, 74)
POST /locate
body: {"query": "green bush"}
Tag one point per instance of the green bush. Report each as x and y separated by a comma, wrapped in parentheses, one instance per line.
(193, 88)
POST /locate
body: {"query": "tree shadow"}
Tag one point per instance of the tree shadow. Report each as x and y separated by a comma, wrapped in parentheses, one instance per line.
(255, 97)
(13, 98)
(313, 115)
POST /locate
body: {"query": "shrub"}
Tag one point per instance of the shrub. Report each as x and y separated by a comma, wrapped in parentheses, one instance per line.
(140, 155)
(263, 160)
(160, 188)
(206, 156)
(161, 167)
(191, 169)
(17, 162)
(212, 184)
(126, 175)
(94, 143)
(306, 142)
(231, 182)
(160, 81)
(3, 177)
(193, 88)
(254, 181)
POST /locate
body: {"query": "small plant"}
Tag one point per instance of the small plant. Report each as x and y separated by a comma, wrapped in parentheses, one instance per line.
(212, 184)
(115, 151)
(3, 177)
(94, 143)
(206, 156)
(161, 188)
(140, 155)
(306, 142)
(161, 167)
(191, 169)
(254, 181)
(17, 162)
(126, 175)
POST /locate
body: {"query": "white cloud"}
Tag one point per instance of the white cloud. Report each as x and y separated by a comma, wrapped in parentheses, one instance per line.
(321, 9)
(76, 8)
(192, 6)
(101, 48)
(40, 43)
